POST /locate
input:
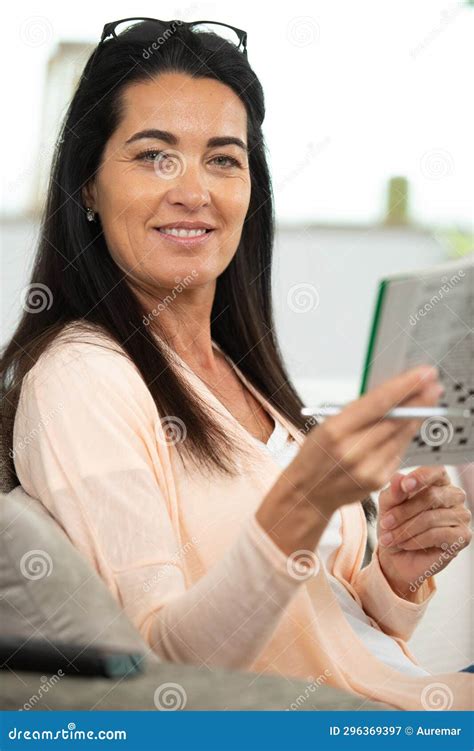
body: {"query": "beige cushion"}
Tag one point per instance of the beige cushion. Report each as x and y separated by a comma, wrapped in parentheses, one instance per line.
(48, 589)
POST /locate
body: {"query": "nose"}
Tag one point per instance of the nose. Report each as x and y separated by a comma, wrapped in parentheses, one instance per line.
(189, 188)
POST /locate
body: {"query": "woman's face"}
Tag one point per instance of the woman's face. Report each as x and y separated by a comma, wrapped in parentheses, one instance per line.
(135, 192)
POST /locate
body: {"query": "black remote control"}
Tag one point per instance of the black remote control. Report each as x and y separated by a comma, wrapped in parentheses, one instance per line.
(43, 656)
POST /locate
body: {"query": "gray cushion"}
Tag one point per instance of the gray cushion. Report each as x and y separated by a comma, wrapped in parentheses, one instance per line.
(48, 589)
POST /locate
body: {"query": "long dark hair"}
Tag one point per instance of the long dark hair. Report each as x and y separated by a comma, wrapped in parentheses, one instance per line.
(74, 266)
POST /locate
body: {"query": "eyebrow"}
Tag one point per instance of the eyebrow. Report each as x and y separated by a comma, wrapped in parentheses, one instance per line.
(165, 135)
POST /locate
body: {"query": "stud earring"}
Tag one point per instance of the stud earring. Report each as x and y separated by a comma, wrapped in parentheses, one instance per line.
(90, 215)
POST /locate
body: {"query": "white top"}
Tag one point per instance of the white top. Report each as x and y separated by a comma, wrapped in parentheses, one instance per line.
(384, 647)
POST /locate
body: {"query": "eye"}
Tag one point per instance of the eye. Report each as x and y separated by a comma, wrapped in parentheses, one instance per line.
(151, 154)
(230, 159)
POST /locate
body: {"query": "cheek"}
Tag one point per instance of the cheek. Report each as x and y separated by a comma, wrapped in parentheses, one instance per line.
(235, 195)
(126, 209)
(125, 190)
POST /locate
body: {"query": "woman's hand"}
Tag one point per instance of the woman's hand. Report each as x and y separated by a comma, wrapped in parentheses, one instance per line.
(358, 450)
(343, 459)
(428, 523)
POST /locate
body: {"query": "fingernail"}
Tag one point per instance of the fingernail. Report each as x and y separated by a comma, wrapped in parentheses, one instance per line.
(387, 521)
(386, 538)
(429, 373)
(408, 484)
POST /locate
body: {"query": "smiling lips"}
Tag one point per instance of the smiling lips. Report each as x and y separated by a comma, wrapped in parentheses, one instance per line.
(188, 232)
(179, 232)
(184, 236)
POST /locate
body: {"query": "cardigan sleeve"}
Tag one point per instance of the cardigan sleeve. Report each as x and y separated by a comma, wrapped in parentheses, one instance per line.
(85, 446)
(228, 616)
(396, 616)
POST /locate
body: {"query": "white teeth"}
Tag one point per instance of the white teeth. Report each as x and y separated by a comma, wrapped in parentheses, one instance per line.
(183, 232)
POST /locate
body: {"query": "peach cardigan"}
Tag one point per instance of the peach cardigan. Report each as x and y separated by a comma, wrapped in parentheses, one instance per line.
(183, 554)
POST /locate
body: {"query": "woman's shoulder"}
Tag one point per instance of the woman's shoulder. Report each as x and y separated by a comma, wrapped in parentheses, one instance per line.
(84, 377)
(81, 356)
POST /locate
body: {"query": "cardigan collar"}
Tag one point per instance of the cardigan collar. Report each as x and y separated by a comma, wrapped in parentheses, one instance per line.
(202, 386)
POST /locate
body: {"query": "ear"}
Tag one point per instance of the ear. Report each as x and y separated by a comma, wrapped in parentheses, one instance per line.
(89, 195)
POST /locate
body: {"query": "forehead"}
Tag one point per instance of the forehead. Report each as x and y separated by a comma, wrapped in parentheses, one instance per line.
(191, 108)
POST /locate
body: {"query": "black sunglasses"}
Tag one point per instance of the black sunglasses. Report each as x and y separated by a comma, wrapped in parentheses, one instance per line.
(114, 29)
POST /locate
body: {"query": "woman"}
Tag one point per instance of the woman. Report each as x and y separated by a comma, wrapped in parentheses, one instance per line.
(156, 420)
